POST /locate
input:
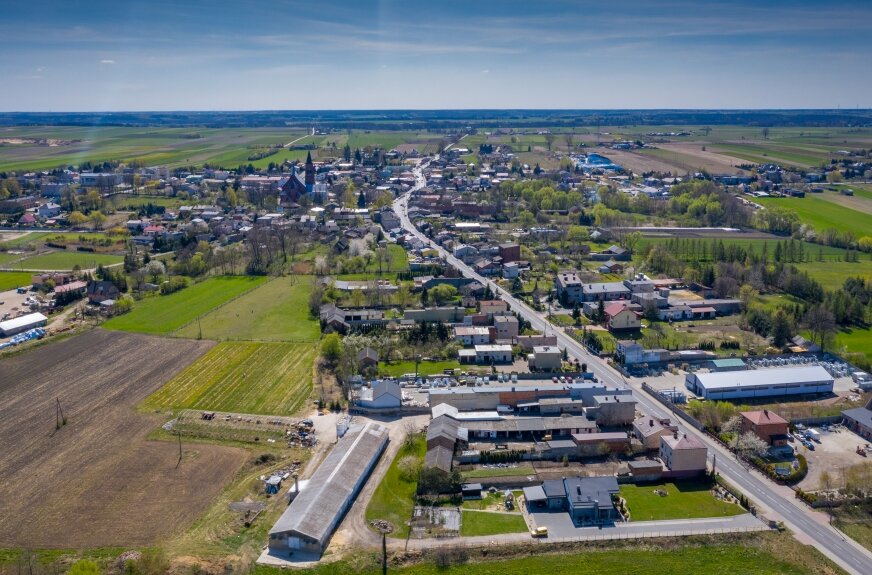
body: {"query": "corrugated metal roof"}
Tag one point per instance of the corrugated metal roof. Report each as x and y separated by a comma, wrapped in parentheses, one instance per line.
(313, 512)
(770, 376)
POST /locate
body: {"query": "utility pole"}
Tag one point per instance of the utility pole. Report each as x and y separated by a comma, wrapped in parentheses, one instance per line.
(179, 433)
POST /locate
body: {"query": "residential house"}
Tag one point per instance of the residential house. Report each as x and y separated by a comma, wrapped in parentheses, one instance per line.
(649, 430)
(767, 425)
(588, 500)
(506, 326)
(620, 318)
(545, 358)
(367, 358)
(492, 307)
(102, 290)
(470, 335)
(569, 287)
(683, 455)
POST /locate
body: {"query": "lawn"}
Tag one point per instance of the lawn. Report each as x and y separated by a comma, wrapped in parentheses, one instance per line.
(67, 260)
(163, 314)
(400, 368)
(394, 498)
(685, 500)
(491, 523)
(242, 377)
(277, 310)
(12, 280)
(499, 472)
(28, 238)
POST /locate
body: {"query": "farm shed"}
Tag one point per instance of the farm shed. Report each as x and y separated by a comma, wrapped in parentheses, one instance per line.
(308, 522)
(760, 382)
(23, 323)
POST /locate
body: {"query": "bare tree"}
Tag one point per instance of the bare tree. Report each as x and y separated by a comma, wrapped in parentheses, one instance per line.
(549, 140)
(821, 323)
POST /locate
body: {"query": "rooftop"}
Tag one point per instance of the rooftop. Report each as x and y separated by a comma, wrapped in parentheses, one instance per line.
(769, 376)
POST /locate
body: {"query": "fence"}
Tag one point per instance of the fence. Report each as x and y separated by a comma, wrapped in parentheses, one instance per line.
(828, 420)
(672, 407)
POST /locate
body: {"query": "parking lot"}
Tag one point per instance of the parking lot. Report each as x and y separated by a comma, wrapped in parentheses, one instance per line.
(835, 453)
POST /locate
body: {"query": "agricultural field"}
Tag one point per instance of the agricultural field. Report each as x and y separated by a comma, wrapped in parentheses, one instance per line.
(242, 377)
(98, 469)
(277, 310)
(823, 214)
(173, 147)
(67, 260)
(855, 340)
(176, 147)
(166, 313)
(12, 280)
(684, 500)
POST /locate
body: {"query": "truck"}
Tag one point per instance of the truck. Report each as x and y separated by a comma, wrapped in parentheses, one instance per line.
(813, 434)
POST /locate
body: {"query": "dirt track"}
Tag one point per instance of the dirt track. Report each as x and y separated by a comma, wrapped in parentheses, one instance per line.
(97, 481)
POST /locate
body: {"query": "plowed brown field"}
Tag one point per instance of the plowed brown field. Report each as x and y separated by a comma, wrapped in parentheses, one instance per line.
(97, 481)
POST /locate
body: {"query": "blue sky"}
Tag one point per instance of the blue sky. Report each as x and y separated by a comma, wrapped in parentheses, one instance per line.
(70, 55)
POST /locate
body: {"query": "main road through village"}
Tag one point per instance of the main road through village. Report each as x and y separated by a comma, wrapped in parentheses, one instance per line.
(774, 501)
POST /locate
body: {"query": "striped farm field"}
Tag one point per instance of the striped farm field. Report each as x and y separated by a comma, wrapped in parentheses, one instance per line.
(242, 377)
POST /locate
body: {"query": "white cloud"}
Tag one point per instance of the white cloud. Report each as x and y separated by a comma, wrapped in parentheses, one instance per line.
(107, 61)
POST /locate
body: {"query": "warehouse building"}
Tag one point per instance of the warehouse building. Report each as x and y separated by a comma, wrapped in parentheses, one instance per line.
(777, 381)
(21, 324)
(308, 523)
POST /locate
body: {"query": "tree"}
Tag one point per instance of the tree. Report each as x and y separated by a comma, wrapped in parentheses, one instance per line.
(443, 293)
(97, 219)
(331, 347)
(77, 219)
(765, 132)
(155, 269)
(821, 323)
(549, 140)
(732, 425)
(748, 445)
(782, 328)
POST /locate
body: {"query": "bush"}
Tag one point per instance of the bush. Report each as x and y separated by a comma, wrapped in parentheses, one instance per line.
(173, 285)
(409, 468)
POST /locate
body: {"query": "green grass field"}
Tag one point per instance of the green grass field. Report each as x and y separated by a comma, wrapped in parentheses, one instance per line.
(67, 260)
(823, 214)
(500, 472)
(394, 498)
(276, 311)
(6, 258)
(163, 314)
(855, 340)
(424, 368)
(12, 280)
(766, 554)
(488, 523)
(242, 377)
(685, 500)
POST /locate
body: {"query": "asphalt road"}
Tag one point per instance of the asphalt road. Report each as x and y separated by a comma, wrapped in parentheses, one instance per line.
(774, 501)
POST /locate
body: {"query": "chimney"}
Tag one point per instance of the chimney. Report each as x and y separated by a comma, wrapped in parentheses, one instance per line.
(651, 423)
(296, 485)
(675, 434)
(766, 413)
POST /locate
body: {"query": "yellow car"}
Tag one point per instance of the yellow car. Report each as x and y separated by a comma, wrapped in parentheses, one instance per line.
(539, 532)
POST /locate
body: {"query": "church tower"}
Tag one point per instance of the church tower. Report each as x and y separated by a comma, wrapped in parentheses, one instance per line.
(310, 173)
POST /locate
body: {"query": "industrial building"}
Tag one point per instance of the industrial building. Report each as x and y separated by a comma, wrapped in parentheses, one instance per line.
(308, 523)
(20, 324)
(774, 381)
(522, 397)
